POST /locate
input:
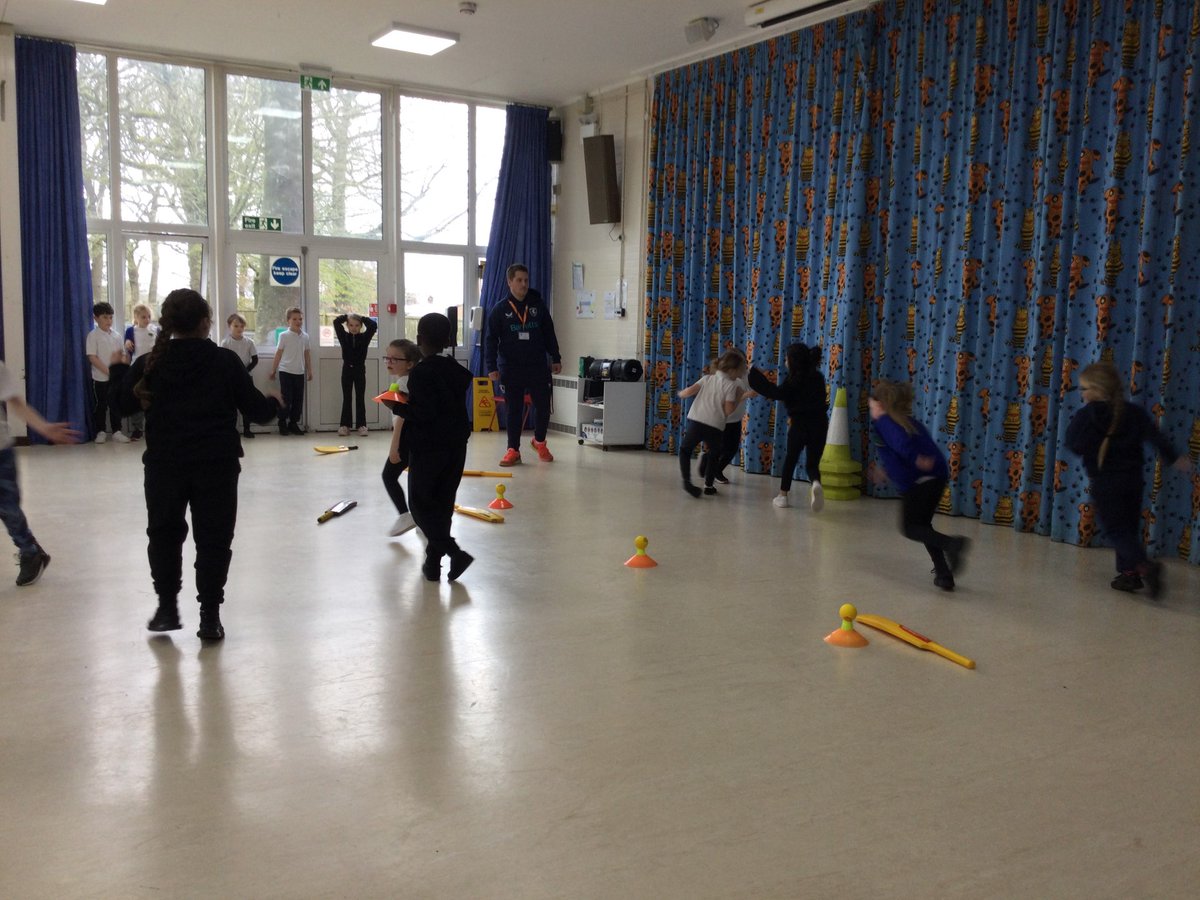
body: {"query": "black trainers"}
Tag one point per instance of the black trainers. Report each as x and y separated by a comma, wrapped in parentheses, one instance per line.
(432, 568)
(295, 429)
(1152, 576)
(247, 433)
(459, 560)
(166, 617)
(691, 489)
(710, 490)
(210, 624)
(1127, 581)
(720, 479)
(945, 582)
(283, 432)
(32, 567)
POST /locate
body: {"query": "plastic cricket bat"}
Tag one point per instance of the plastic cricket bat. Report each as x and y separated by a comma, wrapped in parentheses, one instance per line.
(917, 640)
(483, 473)
(475, 512)
(339, 448)
(338, 509)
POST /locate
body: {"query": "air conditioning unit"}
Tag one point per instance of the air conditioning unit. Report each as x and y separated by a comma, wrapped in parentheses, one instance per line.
(772, 12)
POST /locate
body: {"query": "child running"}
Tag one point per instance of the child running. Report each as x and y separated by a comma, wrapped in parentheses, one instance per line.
(717, 395)
(1109, 433)
(918, 468)
(802, 393)
(401, 356)
(191, 391)
(436, 429)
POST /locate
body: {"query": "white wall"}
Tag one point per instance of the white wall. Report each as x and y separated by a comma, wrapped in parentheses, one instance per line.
(608, 252)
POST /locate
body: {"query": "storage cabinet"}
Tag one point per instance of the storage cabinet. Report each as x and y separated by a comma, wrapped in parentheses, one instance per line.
(612, 413)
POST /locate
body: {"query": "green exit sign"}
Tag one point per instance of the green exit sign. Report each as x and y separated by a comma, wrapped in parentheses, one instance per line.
(315, 83)
(262, 223)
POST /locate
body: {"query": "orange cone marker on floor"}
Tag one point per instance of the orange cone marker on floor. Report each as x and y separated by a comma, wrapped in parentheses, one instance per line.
(640, 560)
(499, 502)
(846, 636)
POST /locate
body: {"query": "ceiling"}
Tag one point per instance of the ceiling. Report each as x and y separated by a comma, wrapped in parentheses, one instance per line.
(548, 52)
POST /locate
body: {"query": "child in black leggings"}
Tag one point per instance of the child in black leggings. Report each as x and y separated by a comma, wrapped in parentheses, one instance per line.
(803, 395)
(401, 356)
(1109, 433)
(918, 468)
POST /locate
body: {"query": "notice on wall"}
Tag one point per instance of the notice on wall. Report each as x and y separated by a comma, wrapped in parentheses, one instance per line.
(610, 305)
(577, 276)
(585, 303)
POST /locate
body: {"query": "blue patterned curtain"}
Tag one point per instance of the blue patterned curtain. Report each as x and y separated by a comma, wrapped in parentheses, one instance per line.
(980, 197)
(54, 254)
(521, 222)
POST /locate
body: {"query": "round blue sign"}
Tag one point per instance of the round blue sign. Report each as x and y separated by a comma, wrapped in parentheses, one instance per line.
(285, 271)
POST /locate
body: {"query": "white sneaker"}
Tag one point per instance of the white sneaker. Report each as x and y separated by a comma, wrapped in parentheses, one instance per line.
(121, 437)
(818, 497)
(343, 431)
(782, 501)
(101, 438)
(362, 431)
(403, 523)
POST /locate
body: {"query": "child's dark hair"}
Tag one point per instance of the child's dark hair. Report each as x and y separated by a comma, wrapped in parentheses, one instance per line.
(406, 349)
(801, 360)
(184, 311)
(235, 317)
(102, 309)
(732, 360)
(433, 333)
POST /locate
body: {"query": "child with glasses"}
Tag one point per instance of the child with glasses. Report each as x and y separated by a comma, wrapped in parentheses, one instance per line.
(401, 356)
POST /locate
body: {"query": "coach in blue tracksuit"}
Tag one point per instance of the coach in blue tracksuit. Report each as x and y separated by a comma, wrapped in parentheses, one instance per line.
(521, 351)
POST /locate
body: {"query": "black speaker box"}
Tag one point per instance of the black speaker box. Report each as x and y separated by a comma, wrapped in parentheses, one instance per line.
(554, 146)
(600, 167)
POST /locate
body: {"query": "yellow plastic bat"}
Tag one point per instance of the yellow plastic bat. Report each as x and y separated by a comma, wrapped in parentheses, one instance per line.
(485, 474)
(917, 640)
(335, 448)
(486, 514)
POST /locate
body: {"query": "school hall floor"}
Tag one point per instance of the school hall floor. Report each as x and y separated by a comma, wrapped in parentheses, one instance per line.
(557, 725)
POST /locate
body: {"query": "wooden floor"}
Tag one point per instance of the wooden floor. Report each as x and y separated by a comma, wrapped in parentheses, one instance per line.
(557, 725)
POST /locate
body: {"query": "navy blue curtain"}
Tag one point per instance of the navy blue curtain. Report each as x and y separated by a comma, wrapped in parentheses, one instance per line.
(54, 257)
(521, 222)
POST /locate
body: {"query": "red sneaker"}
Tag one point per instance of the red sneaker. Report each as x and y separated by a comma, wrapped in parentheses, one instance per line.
(543, 451)
(511, 457)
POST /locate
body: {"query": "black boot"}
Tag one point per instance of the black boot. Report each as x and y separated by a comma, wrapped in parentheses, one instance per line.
(166, 617)
(210, 624)
(459, 560)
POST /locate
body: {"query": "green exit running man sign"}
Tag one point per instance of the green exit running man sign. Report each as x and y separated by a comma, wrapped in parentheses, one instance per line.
(262, 223)
(315, 83)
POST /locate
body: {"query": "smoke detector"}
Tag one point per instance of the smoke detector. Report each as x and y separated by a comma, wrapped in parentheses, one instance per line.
(467, 8)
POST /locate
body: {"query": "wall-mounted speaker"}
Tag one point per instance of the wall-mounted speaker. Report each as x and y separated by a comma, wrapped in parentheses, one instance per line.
(554, 145)
(600, 167)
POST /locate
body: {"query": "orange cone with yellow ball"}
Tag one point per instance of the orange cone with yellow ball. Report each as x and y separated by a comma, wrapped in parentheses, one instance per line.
(499, 502)
(846, 636)
(640, 560)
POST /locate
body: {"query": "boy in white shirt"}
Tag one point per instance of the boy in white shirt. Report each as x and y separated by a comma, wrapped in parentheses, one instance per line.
(103, 348)
(293, 362)
(32, 557)
(246, 352)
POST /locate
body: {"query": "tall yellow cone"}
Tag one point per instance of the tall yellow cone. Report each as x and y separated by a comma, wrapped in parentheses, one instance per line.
(841, 476)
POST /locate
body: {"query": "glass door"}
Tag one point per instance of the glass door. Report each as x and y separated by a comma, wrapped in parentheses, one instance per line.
(344, 286)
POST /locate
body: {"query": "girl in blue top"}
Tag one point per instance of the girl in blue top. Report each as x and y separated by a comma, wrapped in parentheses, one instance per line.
(917, 466)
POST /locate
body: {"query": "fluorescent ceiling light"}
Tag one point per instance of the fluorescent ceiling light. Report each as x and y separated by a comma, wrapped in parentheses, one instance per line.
(95, 2)
(414, 40)
(274, 112)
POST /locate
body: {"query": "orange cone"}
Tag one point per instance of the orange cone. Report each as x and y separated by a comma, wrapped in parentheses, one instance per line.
(846, 636)
(499, 502)
(640, 560)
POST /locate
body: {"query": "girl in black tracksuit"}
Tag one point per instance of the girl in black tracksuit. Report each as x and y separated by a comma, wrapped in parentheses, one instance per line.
(803, 395)
(192, 391)
(355, 344)
(436, 429)
(1109, 433)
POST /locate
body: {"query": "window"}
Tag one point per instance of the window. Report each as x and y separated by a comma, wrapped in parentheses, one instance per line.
(432, 283)
(347, 154)
(264, 148)
(433, 171)
(490, 125)
(154, 268)
(262, 300)
(347, 286)
(92, 71)
(98, 254)
(164, 175)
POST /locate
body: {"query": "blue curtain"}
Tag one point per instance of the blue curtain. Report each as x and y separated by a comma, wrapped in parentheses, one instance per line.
(979, 197)
(54, 257)
(521, 221)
